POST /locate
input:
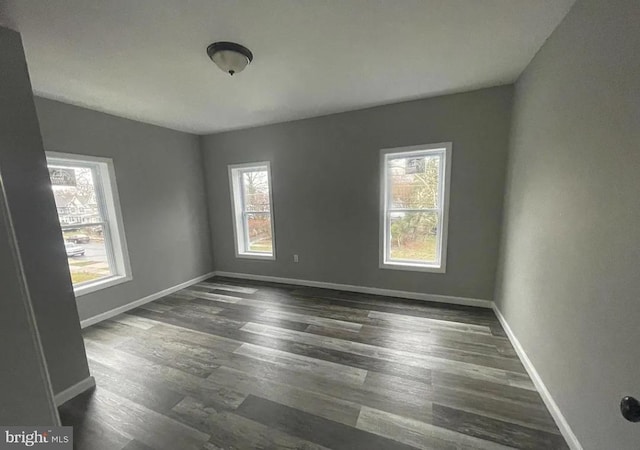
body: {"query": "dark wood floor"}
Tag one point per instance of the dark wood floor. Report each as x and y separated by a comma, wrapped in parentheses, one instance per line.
(230, 364)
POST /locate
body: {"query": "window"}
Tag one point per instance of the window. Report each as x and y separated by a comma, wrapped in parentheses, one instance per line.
(252, 213)
(86, 198)
(414, 207)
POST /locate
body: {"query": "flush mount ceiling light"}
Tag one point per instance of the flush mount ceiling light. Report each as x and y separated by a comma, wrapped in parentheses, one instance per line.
(229, 56)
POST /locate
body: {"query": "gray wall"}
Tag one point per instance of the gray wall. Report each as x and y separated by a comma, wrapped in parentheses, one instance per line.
(25, 181)
(568, 283)
(325, 179)
(25, 389)
(161, 185)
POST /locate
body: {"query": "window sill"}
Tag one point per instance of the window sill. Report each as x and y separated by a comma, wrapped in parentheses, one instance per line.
(412, 267)
(105, 283)
(261, 256)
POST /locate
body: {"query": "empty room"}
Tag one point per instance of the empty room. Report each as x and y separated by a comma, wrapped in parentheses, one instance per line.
(319, 224)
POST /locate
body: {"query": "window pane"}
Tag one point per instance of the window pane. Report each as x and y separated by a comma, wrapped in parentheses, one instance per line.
(75, 194)
(413, 236)
(251, 186)
(87, 253)
(259, 233)
(255, 185)
(80, 215)
(413, 182)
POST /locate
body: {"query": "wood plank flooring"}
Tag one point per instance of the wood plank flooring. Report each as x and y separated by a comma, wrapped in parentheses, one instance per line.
(231, 364)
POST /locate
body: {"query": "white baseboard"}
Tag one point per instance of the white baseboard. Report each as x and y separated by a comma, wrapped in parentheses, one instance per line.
(124, 308)
(550, 403)
(363, 289)
(76, 389)
(552, 406)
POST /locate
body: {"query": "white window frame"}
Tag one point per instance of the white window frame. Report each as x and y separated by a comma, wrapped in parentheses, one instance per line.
(240, 238)
(445, 150)
(109, 202)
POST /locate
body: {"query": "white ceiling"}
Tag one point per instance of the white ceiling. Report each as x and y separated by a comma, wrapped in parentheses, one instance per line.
(146, 59)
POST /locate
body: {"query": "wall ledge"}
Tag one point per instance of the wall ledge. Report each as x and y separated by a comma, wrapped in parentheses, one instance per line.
(74, 390)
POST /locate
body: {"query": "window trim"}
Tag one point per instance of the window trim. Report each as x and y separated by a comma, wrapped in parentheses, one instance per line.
(235, 192)
(384, 263)
(108, 191)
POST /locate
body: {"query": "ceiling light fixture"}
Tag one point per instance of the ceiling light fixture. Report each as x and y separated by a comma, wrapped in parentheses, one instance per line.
(229, 56)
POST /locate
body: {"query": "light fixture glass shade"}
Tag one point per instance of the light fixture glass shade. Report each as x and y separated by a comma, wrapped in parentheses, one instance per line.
(230, 61)
(229, 56)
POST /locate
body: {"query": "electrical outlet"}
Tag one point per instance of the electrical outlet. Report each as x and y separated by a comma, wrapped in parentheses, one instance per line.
(295, 259)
